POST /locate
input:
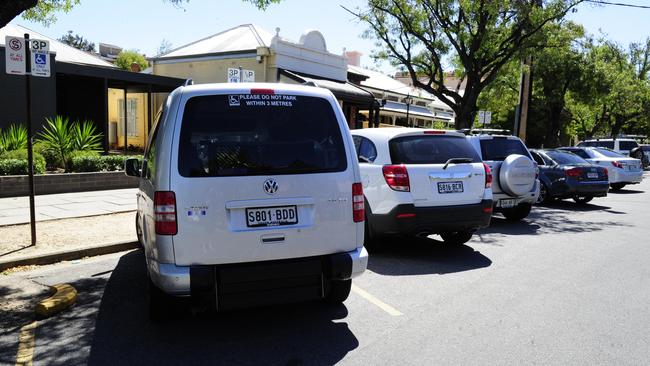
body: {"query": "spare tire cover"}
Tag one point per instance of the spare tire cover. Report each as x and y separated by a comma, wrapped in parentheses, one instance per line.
(517, 175)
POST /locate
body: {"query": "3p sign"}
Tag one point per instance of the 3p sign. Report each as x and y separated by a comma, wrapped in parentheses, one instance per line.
(40, 57)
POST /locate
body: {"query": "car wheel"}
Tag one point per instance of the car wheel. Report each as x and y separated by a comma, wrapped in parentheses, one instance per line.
(617, 186)
(138, 231)
(159, 303)
(582, 199)
(457, 237)
(517, 213)
(544, 195)
(338, 291)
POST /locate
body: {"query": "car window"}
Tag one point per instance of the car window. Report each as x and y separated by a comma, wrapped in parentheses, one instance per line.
(582, 144)
(608, 153)
(367, 150)
(241, 135)
(627, 145)
(565, 158)
(538, 159)
(580, 152)
(428, 149)
(500, 148)
(149, 170)
(645, 148)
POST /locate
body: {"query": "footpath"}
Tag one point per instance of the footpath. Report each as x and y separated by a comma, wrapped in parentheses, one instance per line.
(68, 226)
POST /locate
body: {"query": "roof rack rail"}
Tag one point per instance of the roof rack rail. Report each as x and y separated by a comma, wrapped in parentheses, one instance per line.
(188, 82)
(484, 131)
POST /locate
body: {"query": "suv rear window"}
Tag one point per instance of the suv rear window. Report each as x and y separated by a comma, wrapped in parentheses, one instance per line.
(627, 145)
(427, 149)
(252, 134)
(500, 148)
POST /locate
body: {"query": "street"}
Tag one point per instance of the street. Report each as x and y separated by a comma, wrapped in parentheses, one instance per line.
(569, 285)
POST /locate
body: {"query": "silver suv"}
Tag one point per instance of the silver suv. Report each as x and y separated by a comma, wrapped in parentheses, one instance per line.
(515, 184)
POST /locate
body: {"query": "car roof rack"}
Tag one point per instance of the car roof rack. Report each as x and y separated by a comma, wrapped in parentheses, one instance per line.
(484, 131)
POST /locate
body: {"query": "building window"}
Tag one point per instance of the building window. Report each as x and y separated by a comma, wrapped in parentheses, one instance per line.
(132, 109)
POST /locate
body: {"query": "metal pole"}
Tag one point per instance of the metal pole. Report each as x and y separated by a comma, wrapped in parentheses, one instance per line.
(126, 123)
(30, 145)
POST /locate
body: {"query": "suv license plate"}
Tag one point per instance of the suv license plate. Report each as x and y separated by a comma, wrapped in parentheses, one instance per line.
(271, 216)
(507, 203)
(450, 187)
(592, 175)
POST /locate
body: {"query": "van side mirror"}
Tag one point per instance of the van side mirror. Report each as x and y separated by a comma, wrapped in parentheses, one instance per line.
(132, 167)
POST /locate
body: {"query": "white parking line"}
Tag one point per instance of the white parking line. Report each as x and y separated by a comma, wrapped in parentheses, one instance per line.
(382, 305)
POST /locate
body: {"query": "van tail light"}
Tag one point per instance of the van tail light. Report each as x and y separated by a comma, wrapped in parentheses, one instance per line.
(617, 164)
(488, 175)
(435, 132)
(397, 177)
(358, 209)
(573, 172)
(165, 212)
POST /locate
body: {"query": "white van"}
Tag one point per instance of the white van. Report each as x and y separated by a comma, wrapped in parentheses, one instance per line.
(250, 194)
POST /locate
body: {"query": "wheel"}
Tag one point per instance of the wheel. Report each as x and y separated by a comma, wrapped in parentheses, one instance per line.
(338, 291)
(517, 213)
(457, 237)
(582, 199)
(617, 186)
(544, 195)
(159, 303)
(138, 231)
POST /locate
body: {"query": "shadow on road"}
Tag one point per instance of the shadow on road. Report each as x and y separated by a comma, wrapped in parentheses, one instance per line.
(626, 191)
(415, 256)
(300, 334)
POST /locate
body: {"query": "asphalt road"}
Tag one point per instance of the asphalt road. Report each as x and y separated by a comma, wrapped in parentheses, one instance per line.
(569, 285)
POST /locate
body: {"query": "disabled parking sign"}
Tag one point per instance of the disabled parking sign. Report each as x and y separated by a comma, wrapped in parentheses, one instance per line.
(40, 57)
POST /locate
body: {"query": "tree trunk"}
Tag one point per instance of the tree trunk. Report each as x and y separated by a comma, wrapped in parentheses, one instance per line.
(554, 125)
(9, 9)
(466, 111)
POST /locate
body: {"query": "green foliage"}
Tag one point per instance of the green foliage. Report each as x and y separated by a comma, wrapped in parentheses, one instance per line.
(52, 159)
(126, 58)
(77, 41)
(14, 138)
(86, 163)
(60, 138)
(85, 137)
(15, 163)
(45, 10)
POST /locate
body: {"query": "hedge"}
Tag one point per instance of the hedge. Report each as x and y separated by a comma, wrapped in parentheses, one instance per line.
(15, 163)
(96, 163)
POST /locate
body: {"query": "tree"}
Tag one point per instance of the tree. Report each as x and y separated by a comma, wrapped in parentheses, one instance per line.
(78, 42)
(165, 47)
(44, 11)
(126, 58)
(481, 35)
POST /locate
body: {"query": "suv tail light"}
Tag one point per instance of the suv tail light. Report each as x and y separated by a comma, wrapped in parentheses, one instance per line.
(617, 164)
(397, 177)
(606, 172)
(165, 212)
(573, 172)
(263, 91)
(488, 176)
(358, 210)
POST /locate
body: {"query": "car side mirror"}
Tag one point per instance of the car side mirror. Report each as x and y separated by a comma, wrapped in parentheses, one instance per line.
(132, 167)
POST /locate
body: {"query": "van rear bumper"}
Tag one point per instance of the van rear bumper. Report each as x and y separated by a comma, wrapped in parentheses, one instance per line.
(233, 285)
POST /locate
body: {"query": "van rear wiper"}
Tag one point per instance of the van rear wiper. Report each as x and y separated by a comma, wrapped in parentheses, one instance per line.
(456, 161)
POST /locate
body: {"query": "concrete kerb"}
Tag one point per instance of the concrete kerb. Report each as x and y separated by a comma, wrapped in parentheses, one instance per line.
(67, 255)
(63, 296)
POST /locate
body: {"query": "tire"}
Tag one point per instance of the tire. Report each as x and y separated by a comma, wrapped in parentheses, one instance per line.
(617, 186)
(582, 199)
(338, 292)
(138, 231)
(457, 237)
(544, 195)
(159, 303)
(517, 213)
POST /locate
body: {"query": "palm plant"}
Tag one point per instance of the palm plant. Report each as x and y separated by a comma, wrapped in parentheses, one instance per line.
(14, 138)
(85, 137)
(57, 136)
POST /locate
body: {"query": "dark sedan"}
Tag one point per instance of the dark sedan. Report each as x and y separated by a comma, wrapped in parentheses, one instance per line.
(566, 175)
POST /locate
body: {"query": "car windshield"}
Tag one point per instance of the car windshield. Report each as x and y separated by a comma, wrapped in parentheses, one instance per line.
(499, 148)
(565, 158)
(251, 134)
(430, 149)
(608, 153)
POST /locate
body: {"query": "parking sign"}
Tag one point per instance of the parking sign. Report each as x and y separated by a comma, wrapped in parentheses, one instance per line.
(40, 57)
(15, 55)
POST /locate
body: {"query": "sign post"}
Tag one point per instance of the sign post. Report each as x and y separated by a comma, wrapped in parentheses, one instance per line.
(30, 144)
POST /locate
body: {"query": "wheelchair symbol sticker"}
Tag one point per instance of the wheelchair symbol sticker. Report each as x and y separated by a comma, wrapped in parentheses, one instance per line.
(40, 58)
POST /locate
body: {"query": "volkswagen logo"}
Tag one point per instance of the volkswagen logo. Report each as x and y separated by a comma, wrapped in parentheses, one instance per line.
(270, 186)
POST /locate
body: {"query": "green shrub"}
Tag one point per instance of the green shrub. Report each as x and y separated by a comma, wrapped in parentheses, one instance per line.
(52, 159)
(86, 163)
(62, 138)
(13, 138)
(15, 163)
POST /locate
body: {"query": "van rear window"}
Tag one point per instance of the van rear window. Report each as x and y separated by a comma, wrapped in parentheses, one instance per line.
(259, 134)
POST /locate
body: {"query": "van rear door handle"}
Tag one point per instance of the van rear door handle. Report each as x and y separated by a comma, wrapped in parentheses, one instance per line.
(272, 238)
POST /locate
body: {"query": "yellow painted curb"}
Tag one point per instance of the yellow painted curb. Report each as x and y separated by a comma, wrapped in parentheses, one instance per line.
(64, 296)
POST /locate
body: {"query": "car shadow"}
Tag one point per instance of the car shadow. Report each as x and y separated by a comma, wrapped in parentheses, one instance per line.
(405, 256)
(626, 191)
(297, 334)
(568, 204)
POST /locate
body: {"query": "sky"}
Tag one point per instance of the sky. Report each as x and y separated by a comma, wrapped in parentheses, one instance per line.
(143, 24)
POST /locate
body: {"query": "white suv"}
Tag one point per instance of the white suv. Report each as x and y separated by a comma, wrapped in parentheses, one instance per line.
(516, 184)
(621, 145)
(250, 194)
(422, 182)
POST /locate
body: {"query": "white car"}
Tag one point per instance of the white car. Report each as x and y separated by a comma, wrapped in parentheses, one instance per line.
(250, 194)
(620, 145)
(421, 182)
(622, 169)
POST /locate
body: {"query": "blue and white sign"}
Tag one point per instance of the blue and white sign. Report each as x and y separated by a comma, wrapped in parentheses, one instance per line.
(40, 57)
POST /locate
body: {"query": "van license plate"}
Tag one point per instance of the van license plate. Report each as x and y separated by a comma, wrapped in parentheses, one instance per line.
(450, 187)
(271, 216)
(507, 203)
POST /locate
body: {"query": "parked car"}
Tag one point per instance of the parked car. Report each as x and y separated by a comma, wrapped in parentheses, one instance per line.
(642, 153)
(565, 175)
(421, 182)
(622, 170)
(620, 145)
(515, 185)
(250, 194)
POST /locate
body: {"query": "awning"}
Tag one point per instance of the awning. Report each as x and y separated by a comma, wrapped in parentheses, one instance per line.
(342, 90)
(413, 110)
